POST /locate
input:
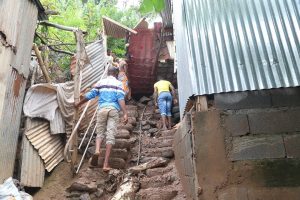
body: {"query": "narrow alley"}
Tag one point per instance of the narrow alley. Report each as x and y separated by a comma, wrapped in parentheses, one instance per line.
(138, 142)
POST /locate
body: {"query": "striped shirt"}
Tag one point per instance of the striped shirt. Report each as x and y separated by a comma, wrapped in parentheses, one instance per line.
(110, 92)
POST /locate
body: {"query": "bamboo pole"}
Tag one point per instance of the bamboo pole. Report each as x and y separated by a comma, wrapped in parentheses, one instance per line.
(41, 63)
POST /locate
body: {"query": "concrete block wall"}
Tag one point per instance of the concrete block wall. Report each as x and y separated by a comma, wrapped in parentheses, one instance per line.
(247, 147)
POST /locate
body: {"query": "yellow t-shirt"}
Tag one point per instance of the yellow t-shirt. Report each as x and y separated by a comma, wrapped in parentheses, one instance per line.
(162, 86)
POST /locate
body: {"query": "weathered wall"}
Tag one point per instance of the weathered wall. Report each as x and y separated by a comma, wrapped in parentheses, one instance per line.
(184, 157)
(17, 25)
(248, 147)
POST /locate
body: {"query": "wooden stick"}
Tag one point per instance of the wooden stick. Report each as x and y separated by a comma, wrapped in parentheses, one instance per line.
(62, 27)
(41, 63)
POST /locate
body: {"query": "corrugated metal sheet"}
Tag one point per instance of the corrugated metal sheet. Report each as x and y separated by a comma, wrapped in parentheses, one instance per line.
(91, 73)
(233, 45)
(115, 29)
(32, 166)
(50, 147)
(10, 122)
(143, 50)
(166, 14)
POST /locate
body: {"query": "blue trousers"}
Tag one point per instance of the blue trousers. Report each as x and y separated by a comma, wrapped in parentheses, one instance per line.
(165, 103)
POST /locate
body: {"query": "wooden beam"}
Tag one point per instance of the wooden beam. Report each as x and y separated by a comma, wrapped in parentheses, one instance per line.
(201, 104)
(41, 63)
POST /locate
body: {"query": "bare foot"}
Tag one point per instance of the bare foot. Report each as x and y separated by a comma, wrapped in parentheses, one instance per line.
(106, 169)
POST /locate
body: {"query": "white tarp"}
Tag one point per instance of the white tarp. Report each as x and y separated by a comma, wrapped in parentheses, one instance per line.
(53, 102)
(9, 191)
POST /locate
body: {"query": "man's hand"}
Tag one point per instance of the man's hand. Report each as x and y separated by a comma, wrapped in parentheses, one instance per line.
(76, 105)
(156, 105)
(125, 118)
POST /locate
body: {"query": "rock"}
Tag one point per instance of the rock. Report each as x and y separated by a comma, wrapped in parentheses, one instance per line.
(146, 127)
(152, 122)
(144, 99)
(157, 181)
(123, 134)
(158, 171)
(74, 194)
(143, 123)
(156, 162)
(153, 130)
(127, 127)
(166, 152)
(99, 193)
(82, 186)
(150, 103)
(85, 196)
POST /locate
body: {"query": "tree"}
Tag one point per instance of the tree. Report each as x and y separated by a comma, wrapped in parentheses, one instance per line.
(86, 15)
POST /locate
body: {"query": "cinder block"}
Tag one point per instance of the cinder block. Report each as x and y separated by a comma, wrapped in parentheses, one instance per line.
(236, 125)
(286, 97)
(257, 147)
(243, 100)
(292, 145)
(281, 121)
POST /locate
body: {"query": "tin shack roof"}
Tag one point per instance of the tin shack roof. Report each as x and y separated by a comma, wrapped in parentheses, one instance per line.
(115, 29)
(230, 46)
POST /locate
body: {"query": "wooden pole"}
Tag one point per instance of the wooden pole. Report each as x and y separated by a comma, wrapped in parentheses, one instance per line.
(41, 63)
(80, 61)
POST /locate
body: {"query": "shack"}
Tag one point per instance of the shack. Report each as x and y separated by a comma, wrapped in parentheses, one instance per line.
(239, 77)
(17, 27)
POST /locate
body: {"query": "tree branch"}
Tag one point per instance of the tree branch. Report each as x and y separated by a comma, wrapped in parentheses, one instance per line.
(54, 49)
(58, 26)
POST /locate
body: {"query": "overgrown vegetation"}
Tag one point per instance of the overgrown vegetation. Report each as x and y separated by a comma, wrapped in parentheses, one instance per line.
(86, 15)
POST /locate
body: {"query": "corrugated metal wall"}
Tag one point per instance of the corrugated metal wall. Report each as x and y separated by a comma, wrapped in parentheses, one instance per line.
(17, 26)
(236, 45)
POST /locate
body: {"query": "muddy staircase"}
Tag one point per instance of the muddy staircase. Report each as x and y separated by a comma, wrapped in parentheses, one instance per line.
(138, 142)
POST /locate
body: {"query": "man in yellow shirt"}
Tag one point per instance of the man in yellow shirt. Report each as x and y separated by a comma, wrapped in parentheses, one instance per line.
(163, 99)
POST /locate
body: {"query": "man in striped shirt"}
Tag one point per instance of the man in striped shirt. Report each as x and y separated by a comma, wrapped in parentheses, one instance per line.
(111, 101)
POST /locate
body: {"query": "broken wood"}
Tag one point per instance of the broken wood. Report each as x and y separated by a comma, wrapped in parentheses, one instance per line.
(41, 63)
(127, 190)
(156, 162)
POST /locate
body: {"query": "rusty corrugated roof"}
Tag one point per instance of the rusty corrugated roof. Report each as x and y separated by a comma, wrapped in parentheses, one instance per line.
(115, 29)
(49, 147)
(32, 166)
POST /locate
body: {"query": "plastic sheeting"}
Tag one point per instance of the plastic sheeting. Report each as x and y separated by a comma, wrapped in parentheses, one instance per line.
(51, 102)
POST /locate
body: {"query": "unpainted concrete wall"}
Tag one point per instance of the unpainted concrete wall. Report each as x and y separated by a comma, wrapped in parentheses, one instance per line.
(184, 157)
(248, 147)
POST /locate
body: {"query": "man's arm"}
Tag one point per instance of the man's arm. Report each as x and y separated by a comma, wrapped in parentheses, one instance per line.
(124, 110)
(155, 95)
(88, 96)
(173, 91)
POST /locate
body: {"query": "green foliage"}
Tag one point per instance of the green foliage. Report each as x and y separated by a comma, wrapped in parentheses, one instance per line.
(150, 6)
(86, 15)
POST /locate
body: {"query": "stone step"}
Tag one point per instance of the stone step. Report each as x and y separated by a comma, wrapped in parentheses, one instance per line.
(127, 126)
(130, 113)
(158, 171)
(167, 133)
(116, 163)
(156, 194)
(165, 152)
(120, 144)
(157, 143)
(131, 120)
(115, 153)
(157, 181)
(122, 134)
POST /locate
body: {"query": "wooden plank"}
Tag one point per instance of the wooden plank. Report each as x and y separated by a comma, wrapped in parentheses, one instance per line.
(201, 104)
